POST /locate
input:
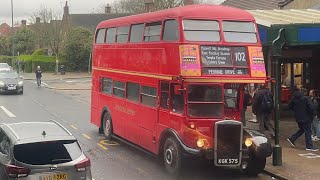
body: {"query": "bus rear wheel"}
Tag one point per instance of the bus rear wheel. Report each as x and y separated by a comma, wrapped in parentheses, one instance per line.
(172, 156)
(107, 126)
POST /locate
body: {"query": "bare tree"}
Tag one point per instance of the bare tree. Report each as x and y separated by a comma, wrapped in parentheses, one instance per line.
(50, 31)
(44, 13)
(138, 6)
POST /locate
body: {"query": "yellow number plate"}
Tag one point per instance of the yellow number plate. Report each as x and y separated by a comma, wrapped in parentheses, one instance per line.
(54, 177)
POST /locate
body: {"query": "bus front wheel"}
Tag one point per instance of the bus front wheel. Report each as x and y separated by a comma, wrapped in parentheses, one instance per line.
(172, 156)
(107, 126)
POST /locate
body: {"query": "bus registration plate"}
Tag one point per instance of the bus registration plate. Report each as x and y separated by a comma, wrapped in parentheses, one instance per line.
(228, 161)
(54, 177)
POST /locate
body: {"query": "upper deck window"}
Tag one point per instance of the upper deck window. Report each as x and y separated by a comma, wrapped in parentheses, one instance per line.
(122, 34)
(111, 35)
(100, 35)
(152, 32)
(201, 30)
(170, 30)
(136, 33)
(242, 32)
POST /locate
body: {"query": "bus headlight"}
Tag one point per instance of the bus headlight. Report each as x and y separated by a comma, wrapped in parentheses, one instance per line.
(200, 143)
(248, 142)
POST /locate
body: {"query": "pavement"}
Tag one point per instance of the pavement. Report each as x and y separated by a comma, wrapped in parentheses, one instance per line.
(297, 163)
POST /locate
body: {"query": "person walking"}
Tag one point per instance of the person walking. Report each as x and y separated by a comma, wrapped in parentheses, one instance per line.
(23, 63)
(304, 112)
(247, 101)
(38, 76)
(315, 126)
(262, 107)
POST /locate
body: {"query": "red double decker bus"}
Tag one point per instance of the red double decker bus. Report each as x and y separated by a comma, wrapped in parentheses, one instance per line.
(171, 82)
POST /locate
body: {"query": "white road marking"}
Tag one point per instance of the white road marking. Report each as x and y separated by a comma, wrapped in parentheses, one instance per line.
(7, 111)
(310, 155)
(73, 127)
(70, 81)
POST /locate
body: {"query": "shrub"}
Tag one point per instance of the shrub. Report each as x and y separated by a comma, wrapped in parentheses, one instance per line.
(40, 52)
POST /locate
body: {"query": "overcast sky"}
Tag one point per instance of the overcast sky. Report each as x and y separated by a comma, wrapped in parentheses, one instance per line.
(24, 8)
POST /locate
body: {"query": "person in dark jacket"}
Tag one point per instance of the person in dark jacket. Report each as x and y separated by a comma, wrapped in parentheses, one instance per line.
(263, 114)
(314, 96)
(304, 112)
(247, 101)
(38, 73)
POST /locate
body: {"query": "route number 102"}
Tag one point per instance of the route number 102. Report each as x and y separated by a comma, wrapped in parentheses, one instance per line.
(240, 56)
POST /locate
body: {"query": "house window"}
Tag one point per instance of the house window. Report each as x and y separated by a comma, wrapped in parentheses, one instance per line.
(149, 96)
(122, 34)
(100, 36)
(152, 32)
(136, 33)
(111, 35)
(119, 89)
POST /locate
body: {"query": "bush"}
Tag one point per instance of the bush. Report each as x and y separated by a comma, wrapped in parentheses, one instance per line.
(39, 52)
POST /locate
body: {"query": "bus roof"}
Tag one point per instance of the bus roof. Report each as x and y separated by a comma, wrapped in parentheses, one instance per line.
(192, 11)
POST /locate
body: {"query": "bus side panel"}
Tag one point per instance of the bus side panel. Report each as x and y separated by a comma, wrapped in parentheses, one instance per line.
(95, 117)
(118, 115)
(131, 127)
(147, 124)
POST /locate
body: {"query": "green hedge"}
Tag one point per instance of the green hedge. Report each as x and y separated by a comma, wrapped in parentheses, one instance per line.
(47, 63)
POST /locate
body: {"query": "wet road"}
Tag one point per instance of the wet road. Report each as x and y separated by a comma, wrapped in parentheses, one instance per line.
(110, 160)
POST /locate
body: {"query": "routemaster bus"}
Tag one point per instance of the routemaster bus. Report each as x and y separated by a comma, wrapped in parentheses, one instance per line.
(172, 83)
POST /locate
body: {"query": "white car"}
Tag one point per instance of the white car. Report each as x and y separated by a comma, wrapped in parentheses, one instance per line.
(4, 67)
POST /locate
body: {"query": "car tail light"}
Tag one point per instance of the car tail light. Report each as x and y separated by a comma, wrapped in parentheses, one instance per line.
(82, 165)
(17, 172)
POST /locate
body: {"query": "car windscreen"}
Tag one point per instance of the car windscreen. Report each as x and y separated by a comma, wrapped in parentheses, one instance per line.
(46, 153)
(201, 30)
(8, 74)
(241, 32)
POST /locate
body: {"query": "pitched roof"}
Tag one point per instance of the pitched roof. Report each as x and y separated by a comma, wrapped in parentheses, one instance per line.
(4, 29)
(92, 20)
(253, 4)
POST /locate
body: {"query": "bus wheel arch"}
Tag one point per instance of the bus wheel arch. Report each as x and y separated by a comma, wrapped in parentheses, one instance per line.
(106, 127)
(170, 153)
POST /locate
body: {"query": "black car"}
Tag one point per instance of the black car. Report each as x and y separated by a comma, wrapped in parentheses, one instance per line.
(10, 81)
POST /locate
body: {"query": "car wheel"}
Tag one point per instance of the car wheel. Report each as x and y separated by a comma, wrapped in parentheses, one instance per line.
(255, 166)
(172, 156)
(107, 126)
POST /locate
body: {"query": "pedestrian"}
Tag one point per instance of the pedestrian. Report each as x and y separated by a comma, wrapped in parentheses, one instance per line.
(304, 112)
(23, 63)
(38, 76)
(247, 101)
(315, 126)
(262, 107)
(17, 65)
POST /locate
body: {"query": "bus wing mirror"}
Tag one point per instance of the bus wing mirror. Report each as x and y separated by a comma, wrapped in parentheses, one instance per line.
(177, 89)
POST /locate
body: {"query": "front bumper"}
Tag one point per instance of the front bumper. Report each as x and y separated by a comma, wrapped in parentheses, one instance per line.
(14, 88)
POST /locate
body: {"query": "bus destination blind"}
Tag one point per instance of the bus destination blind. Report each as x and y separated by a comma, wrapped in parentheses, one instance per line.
(222, 60)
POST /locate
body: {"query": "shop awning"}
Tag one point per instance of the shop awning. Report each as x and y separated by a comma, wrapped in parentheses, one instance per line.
(302, 26)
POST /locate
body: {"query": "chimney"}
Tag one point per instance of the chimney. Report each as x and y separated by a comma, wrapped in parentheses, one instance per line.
(149, 5)
(24, 23)
(66, 9)
(37, 19)
(107, 9)
(188, 2)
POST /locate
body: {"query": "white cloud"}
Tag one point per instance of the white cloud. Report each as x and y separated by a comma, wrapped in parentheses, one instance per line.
(23, 8)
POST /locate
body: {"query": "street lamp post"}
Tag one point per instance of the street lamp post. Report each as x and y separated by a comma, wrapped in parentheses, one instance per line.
(12, 29)
(277, 45)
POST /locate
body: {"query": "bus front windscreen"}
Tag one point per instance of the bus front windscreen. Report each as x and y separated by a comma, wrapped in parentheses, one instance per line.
(205, 101)
(201, 30)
